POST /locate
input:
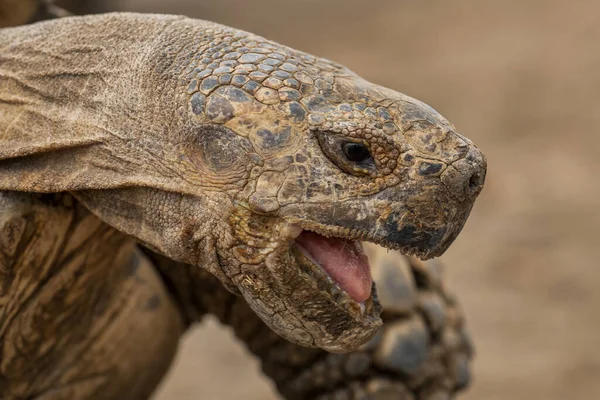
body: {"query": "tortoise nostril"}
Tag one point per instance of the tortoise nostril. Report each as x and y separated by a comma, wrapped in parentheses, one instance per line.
(474, 184)
(474, 181)
(464, 179)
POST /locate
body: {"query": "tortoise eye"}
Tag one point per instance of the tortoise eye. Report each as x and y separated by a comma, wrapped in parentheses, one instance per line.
(356, 152)
(352, 157)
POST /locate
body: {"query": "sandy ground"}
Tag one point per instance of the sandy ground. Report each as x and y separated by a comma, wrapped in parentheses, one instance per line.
(520, 78)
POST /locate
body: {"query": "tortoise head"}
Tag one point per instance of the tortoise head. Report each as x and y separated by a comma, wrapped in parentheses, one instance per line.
(269, 167)
(319, 160)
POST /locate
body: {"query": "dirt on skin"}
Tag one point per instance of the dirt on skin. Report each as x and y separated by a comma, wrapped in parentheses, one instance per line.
(522, 80)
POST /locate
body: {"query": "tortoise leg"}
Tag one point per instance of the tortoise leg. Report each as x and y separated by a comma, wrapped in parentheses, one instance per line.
(422, 351)
(83, 314)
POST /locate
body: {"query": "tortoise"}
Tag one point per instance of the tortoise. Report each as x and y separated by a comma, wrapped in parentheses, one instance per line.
(155, 169)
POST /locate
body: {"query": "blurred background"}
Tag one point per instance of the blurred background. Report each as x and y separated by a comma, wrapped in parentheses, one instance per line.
(522, 80)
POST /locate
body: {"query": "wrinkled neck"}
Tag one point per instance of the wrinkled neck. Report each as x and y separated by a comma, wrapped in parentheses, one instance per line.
(63, 69)
(72, 95)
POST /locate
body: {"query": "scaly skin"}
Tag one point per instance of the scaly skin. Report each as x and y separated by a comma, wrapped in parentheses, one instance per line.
(214, 146)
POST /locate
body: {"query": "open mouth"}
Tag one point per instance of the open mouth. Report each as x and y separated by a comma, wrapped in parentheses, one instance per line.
(337, 264)
(343, 260)
(334, 258)
(318, 280)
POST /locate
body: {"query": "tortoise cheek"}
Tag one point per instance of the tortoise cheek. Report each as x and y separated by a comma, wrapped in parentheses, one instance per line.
(219, 155)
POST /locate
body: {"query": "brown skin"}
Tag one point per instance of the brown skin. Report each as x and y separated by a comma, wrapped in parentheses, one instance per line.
(214, 165)
(76, 296)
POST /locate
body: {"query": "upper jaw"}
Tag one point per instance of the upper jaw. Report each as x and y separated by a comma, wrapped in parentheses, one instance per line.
(408, 238)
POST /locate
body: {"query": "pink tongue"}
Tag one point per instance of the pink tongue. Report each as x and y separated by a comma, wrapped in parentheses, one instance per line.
(343, 260)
